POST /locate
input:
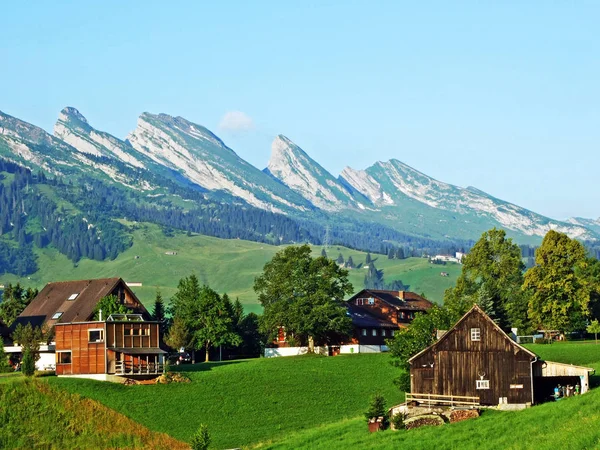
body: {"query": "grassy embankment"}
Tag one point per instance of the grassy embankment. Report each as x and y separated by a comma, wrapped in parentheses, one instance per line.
(245, 402)
(227, 265)
(34, 414)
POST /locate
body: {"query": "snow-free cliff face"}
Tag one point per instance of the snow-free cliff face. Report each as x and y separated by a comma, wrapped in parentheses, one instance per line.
(298, 171)
(73, 128)
(204, 159)
(391, 183)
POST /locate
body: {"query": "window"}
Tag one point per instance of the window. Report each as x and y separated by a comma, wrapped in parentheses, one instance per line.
(483, 384)
(127, 331)
(64, 357)
(475, 335)
(73, 296)
(383, 332)
(358, 301)
(402, 315)
(374, 332)
(371, 301)
(364, 332)
(57, 315)
(95, 335)
(393, 332)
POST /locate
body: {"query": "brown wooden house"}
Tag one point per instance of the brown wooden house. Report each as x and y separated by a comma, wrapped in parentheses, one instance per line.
(121, 345)
(377, 314)
(477, 359)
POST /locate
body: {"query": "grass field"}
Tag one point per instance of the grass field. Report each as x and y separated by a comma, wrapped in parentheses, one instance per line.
(317, 402)
(35, 415)
(244, 402)
(227, 265)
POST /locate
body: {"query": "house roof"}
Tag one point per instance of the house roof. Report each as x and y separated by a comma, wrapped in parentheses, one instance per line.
(362, 318)
(401, 300)
(76, 301)
(474, 310)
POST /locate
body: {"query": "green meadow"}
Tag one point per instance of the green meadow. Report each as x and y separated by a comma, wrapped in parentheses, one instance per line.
(227, 265)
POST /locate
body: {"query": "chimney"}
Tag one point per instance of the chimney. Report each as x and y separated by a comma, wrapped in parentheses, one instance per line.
(100, 315)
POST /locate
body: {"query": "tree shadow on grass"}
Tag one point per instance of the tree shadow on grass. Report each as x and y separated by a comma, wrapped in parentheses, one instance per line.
(204, 366)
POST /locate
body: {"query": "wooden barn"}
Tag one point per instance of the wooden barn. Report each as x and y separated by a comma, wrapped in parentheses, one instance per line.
(476, 362)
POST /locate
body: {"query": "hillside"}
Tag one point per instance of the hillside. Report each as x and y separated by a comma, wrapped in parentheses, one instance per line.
(227, 265)
(570, 424)
(35, 415)
(317, 402)
(248, 401)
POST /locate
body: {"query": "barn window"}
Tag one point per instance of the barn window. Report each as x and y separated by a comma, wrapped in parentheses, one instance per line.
(483, 384)
(95, 335)
(374, 332)
(57, 315)
(475, 334)
(364, 332)
(64, 357)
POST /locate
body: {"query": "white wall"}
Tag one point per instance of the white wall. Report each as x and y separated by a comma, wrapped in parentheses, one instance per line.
(293, 351)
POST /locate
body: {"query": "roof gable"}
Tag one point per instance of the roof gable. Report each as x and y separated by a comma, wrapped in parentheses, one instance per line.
(59, 297)
(475, 310)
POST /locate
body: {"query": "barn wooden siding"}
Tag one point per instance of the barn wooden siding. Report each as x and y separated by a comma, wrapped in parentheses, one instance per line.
(454, 364)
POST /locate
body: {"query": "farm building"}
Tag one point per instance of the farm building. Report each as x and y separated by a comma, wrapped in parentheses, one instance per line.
(83, 346)
(476, 362)
(376, 315)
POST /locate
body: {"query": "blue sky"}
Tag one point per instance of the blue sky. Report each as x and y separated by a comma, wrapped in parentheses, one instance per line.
(503, 96)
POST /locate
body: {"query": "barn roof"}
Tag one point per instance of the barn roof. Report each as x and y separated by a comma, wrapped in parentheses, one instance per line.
(474, 310)
(401, 300)
(76, 301)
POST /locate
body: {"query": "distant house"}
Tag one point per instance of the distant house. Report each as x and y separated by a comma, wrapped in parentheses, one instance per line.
(67, 308)
(478, 361)
(171, 253)
(444, 274)
(376, 316)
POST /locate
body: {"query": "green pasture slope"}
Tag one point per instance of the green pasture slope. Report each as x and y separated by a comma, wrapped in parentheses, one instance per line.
(317, 402)
(569, 424)
(245, 402)
(227, 265)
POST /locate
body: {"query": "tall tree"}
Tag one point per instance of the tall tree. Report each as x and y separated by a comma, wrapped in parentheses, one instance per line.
(205, 314)
(340, 259)
(304, 295)
(350, 262)
(158, 311)
(14, 300)
(29, 338)
(558, 286)
(493, 264)
(323, 253)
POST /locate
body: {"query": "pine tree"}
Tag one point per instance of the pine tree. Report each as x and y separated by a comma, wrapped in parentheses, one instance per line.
(340, 259)
(323, 253)
(158, 312)
(350, 262)
(368, 258)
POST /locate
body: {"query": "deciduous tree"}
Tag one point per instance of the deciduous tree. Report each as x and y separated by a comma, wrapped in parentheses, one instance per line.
(110, 305)
(493, 265)
(304, 295)
(559, 290)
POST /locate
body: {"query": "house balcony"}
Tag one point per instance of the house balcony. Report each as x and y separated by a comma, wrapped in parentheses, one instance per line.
(127, 368)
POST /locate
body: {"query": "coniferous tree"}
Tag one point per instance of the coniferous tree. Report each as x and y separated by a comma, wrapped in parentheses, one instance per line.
(350, 262)
(340, 259)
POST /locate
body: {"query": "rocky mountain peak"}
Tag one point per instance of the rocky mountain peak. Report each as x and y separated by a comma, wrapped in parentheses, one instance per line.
(72, 114)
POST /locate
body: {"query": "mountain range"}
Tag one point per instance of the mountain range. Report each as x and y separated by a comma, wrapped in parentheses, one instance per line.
(165, 151)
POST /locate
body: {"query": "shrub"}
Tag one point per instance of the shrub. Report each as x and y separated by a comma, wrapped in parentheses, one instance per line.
(4, 364)
(201, 439)
(397, 421)
(28, 363)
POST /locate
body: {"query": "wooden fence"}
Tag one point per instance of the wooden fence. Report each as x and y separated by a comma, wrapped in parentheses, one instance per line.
(443, 400)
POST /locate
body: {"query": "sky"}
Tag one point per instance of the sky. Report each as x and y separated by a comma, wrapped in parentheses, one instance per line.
(503, 96)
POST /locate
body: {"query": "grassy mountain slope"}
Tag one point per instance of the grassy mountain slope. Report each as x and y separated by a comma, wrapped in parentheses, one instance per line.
(35, 415)
(228, 265)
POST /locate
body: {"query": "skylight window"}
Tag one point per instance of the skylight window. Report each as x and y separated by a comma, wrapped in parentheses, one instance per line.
(57, 315)
(73, 296)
